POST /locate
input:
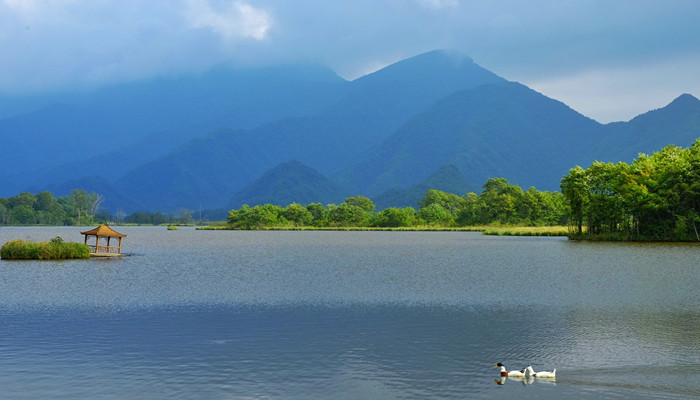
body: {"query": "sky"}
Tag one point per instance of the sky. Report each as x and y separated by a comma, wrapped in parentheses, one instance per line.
(610, 60)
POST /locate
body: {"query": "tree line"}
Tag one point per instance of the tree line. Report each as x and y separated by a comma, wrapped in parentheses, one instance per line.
(77, 209)
(656, 198)
(499, 202)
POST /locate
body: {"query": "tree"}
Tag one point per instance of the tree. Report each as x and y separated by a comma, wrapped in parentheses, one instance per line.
(297, 214)
(435, 214)
(500, 199)
(448, 201)
(319, 214)
(395, 217)
(361, 201)
(574, 187)
(346, 214)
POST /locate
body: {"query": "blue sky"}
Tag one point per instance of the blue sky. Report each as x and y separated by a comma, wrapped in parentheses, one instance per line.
(609, 60)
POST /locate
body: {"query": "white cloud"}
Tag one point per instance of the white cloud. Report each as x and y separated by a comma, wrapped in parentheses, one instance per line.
(621, 93)
(234, 21)
(438, 4)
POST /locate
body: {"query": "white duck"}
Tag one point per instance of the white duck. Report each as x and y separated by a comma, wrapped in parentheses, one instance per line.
(541, 374)
(505, 372)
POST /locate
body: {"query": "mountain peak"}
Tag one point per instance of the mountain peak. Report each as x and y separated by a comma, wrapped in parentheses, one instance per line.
(286, 183)
(436, 65)
(680, 108)
(685, 100)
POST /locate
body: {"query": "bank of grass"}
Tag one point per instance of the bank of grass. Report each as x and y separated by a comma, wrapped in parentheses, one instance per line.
(55, 249)
(486, 230)
(527, 231)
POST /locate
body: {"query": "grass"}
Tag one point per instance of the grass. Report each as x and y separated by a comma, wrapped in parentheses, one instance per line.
(487, 230)
(55, 249)
(527, 231)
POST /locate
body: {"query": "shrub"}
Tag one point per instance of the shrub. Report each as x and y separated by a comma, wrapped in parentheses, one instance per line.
(56, 249)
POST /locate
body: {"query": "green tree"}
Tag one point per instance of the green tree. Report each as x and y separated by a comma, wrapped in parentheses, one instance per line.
(574, 187)
(297, 214)
(22, 215)
(502, 201)
(346, 214)
(448, 201)
(361, 201)
(395, 217)
(319, 214)
(435, 214)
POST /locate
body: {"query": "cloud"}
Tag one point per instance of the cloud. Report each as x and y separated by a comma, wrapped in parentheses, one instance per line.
(557, 44)
(438, 4)
(620, 93)
(233, 21)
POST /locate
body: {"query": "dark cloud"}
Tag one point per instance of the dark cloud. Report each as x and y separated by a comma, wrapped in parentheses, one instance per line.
(570, 50)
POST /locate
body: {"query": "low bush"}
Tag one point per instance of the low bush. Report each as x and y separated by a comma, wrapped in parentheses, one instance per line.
(56, 249)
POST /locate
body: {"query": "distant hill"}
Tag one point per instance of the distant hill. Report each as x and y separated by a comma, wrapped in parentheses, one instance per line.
(220, 138)
(113, 198)
(290, 182)
(497, 130)
(159, 114)
(678, 123)
(447, 179)
(327, 141)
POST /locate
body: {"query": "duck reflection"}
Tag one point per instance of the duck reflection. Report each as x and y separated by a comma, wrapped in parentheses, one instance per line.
(525, 380)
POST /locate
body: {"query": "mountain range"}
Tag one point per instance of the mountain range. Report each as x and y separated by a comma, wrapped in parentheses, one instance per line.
(301, 133)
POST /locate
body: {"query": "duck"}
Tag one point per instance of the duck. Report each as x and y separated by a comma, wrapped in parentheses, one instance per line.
(541, 374)
(505, 372)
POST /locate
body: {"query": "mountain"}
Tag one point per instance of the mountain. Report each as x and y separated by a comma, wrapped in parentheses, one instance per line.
(158, 115)
(374, 107)
(447, 179)
(290, 182)
(678, 123)
(496, 130)
(205, 141)
(113, 198)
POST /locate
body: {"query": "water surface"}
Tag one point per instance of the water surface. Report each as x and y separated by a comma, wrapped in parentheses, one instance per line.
(382, 315)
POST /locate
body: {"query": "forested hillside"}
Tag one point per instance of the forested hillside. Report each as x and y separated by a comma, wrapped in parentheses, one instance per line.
(197, 142)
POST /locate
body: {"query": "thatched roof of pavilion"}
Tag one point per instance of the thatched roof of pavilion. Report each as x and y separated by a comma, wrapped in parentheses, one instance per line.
(103, 230)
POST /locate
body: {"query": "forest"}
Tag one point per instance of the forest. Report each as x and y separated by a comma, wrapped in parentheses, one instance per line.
(499, 202)
(77, 209)
(655, 198)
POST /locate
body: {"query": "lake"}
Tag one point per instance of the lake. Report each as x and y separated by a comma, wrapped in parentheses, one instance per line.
(349, 315)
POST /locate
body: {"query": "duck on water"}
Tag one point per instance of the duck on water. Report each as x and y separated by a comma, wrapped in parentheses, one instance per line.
(505, 372)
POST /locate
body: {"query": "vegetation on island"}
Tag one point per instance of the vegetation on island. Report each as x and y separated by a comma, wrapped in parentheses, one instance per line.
(656, 198)
(499, 202)
(55, 249)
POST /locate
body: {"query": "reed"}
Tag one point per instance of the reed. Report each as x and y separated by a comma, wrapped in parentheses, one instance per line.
(527, 231)
(55, 249)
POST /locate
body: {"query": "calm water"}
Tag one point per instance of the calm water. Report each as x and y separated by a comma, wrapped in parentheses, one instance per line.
(349, 315)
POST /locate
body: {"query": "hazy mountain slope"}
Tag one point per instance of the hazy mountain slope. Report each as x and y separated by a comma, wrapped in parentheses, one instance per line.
(678, 123)
(447, 179)
(327, 141)
(165, 112)
(113, 198)
(203, 173)
(159, 145)
(504, 130)
(290, 182)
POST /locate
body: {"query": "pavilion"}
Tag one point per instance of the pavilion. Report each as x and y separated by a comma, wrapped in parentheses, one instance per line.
(101, 250)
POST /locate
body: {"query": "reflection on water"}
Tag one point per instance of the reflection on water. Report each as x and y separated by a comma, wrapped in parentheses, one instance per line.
(384, 315)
